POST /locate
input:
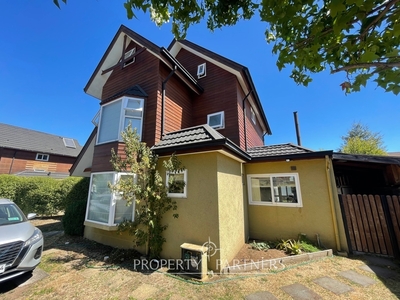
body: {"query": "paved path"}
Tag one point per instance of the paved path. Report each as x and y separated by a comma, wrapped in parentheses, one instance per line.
(297, 291)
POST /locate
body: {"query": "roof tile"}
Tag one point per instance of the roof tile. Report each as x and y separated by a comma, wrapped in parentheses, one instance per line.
(30, 140)
(198, 134)
(277, 150)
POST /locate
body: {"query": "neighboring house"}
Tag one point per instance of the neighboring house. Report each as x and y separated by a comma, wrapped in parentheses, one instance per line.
(205, 108)
(26, 152)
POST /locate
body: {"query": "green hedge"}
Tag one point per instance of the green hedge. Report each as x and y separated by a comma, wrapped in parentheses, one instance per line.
(74, 218)
(43, 195)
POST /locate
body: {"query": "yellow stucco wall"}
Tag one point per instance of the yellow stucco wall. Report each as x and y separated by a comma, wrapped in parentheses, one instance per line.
(216, 208)
(198, 213)
(231, 207)
(213, 209)
(314, 217)
(110, 238)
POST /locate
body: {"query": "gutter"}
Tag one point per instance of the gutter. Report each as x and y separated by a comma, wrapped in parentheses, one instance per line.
(292, 156)
(244, 119)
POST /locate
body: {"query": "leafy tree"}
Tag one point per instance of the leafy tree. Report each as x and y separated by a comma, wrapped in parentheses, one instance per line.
(358, 37)
(360, 140)
(147, 191)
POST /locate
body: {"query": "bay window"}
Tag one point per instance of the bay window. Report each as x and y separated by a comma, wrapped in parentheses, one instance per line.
(274, 189)
(115, 117)
(104, 206)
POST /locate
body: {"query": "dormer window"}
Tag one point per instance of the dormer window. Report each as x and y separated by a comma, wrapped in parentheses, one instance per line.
(42, 157)
(128, 57)
(201, 70)
(217, 120)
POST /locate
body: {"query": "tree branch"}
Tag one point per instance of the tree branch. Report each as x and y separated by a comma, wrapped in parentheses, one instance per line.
(378, 17)
(367, 65)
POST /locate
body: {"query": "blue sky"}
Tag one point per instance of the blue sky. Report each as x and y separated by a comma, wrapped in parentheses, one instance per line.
(47, 56)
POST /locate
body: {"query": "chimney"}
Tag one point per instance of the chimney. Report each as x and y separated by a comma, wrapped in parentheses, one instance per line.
(296, 123)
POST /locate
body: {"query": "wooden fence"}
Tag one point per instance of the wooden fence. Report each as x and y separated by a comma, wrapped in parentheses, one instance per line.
(372, 223)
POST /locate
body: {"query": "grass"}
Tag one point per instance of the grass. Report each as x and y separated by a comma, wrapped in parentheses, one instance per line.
(65, 281)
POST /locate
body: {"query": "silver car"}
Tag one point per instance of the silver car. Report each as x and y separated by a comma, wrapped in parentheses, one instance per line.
(21, 243)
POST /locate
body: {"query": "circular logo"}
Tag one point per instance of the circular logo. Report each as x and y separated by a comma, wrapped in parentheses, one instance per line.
(212, 248)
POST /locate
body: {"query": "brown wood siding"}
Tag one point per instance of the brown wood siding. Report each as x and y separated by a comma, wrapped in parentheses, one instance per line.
(102, 156)
(145, 73)
(253, 131)
(178, 103)
(219, 94)
(15, 161)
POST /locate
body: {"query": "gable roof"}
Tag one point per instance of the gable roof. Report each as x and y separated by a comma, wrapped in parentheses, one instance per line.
(18, 138)
(241, 72)
(113, 55)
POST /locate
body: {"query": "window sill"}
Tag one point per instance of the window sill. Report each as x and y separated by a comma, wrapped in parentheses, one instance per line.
(277, 204)
(101, 226)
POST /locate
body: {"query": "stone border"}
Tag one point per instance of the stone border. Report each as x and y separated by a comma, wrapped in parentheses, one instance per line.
(275, 264)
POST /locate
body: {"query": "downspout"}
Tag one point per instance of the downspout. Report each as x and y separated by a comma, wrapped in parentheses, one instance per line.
(163, 100)
(12, 162)
(333, 210)
(244, 119)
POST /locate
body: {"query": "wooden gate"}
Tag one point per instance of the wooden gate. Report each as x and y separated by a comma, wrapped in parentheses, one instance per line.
(372, 223)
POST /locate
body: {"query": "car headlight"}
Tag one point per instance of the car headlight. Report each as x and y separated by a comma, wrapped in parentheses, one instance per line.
(36, 236)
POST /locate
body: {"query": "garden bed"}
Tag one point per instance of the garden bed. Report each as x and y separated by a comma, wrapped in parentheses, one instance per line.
(272, 259)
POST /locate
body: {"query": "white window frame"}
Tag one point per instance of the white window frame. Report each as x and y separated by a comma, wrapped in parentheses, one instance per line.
(127, 55)
(274, 197)
(122, 117)
(42, 157)
(221, 125)
(201, 70)
(253, 116)
(178, 195)
(96, 118)
(113, 200)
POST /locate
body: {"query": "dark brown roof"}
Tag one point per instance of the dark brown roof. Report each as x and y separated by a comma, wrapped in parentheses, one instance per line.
(132, 91)
(192, 135)
(276, 150)
(196, 138)
(200, 137)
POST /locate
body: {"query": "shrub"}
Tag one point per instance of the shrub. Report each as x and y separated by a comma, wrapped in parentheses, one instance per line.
(260, 246)
(290, 246)
(74, 218)
(38, 194)
(9, 185)
(72, 189)
(43, 195)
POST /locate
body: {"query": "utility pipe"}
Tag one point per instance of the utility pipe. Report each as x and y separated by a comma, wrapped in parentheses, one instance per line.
(244, 119)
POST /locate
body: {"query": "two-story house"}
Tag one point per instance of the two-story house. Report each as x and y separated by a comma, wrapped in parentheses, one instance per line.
(26, 152)
(188, 100)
